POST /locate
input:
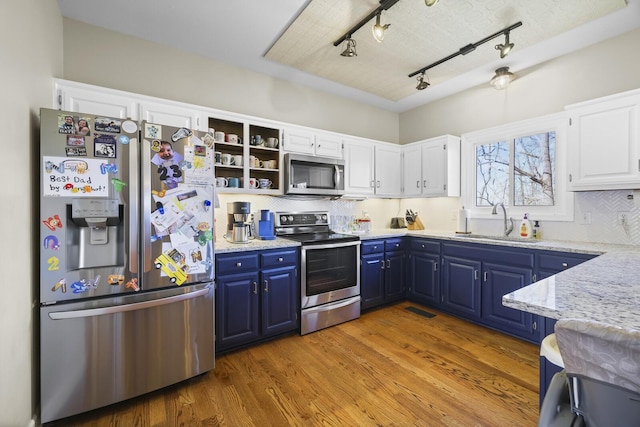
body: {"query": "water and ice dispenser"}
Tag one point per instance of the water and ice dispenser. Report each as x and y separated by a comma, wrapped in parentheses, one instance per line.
(95, 234)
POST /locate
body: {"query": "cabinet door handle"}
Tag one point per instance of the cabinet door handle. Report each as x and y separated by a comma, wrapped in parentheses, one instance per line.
(435, 267)
(373, 184)
(266, 285)
(378, 184)
(280, 259)
(565, 265)
(486, 276)
(424, 183)
(255, 288)
(418, 184)
(238, 264)
(388, 263)
(475, 274)
(381, 264)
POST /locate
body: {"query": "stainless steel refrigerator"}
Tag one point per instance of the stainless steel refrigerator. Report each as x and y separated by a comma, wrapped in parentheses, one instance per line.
(126, 264)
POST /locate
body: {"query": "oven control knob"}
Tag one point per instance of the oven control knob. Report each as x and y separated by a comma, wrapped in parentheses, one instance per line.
(324, 217)
(290, 218)
(283, 218)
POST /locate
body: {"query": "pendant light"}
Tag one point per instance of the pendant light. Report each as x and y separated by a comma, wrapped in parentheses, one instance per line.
(502, 78)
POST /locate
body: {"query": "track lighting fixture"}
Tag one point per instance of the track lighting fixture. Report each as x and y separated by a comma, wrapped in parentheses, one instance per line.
(378, 30)
(350, 50)
(502, 78)
(506, 47)
(384, 5)
(422, 84)
(430, 2)
(504, 50)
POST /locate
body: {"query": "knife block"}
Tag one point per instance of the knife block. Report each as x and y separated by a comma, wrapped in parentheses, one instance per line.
(416, 225)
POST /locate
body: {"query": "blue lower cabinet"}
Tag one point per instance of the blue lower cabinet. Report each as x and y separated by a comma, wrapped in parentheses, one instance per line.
(461, 287)
(279, 300)
(257, 296)
(382, 272)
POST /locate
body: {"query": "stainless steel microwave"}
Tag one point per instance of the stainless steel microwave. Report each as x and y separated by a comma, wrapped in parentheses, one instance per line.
(313, 176)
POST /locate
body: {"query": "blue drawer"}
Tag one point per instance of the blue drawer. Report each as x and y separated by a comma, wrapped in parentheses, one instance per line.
(371, 247)
(424, 245)
(393, 245)
(236, 263)
(279, 258)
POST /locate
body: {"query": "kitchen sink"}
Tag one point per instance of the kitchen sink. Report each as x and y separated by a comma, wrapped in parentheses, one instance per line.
(498, 238)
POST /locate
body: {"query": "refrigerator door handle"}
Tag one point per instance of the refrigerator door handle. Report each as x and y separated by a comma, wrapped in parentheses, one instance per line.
(75, 314)
(145, 181)
(134, 213)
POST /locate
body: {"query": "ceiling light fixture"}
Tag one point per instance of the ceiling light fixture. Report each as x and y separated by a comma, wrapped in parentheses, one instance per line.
(502, 78)
(470, 48)
(430, 2)
(506, 47)
(350, 50)
(378, 30)
(422, 85)
(384, 5)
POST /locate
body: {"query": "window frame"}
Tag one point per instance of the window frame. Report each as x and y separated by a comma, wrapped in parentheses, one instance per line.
(562, 210)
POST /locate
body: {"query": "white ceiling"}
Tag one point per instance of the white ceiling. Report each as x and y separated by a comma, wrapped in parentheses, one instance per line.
(293, 39)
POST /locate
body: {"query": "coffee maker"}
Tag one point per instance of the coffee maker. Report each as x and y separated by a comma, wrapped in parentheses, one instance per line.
(238, 225)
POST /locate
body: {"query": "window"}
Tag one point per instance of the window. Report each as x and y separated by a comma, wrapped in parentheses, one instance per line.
(520, 171)
(518, 164)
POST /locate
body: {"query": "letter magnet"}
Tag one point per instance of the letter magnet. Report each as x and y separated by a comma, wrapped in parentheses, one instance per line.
(53, 222)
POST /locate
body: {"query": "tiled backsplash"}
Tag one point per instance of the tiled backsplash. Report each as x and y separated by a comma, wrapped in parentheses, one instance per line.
(440, 214)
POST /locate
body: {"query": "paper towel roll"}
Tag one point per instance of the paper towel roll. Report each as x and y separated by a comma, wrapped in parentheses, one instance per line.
(463, 220)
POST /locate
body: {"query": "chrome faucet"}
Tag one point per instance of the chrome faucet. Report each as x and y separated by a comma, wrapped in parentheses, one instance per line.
(508, 229)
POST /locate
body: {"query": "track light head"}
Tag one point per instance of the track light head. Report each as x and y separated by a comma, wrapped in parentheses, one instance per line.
(378, 30)
(422, 84)
(505, 47)
(350, 50)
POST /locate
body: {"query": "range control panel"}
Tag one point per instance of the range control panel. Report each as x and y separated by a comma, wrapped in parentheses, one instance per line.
(293, 219)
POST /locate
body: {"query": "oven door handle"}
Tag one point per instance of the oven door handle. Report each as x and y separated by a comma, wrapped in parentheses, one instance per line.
(331, 245)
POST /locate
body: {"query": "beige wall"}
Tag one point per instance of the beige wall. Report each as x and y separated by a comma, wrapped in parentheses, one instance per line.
(31, 47)
(602, 69)
(97, 56)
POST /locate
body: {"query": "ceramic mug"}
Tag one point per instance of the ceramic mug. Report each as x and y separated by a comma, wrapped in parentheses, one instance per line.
(218, 136)
(227, 159)
(232, 138)
(253, 183)
(222, 182)
(257, 140)
(233, 182)
(272, 142)
(254, 162)
(218, 156)
(265, 183)
(270, 164)
(237, 160)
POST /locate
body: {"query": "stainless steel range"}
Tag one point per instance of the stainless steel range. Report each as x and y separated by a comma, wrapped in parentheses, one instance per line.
(330, 277)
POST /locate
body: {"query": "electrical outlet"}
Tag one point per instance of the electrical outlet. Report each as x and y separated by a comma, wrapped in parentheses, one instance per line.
(585, 218)
(623, 219)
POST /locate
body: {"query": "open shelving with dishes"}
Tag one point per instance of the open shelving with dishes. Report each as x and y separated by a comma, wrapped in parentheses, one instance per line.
(247, 157)
(264, 157)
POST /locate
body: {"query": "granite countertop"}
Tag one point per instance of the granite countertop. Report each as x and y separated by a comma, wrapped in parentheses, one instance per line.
(223, 246)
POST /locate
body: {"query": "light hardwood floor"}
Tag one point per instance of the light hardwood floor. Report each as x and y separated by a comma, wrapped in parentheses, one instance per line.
(391, 367)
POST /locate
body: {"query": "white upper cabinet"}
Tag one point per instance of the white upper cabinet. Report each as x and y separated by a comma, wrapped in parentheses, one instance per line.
(372, 168)
(81, 98)
(171, 114)
(359, 167)
(388, 175)
(432, 167)
(313, 143)
(604, 143)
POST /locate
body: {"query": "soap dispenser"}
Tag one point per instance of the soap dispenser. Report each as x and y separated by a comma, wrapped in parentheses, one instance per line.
(525, 228)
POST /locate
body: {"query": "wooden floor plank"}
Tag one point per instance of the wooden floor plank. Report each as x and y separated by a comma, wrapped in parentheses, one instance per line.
(391, 367)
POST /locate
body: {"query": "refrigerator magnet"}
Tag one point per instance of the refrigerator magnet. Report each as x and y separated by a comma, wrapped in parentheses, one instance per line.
(53, 222)
(118, 185)
(123, 139)
(107, 124)
(53, 263)
(51, 242)
(75, 141)
(76, 151)
(60, 284)
(104, 146)
(129, 126)
(152, 131)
